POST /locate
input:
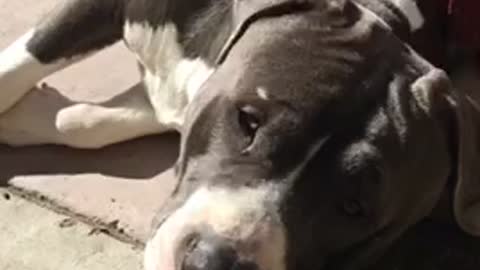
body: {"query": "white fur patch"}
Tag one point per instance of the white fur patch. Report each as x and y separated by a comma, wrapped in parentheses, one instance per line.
(171, 79)
(46, 116)
(245, 215)
(20, 71)
(371, 16)
(398, 118)
(262, 93)
(412, 12)
(95, 126)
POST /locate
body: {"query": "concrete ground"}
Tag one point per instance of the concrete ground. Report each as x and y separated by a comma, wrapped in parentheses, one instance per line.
(35, 238)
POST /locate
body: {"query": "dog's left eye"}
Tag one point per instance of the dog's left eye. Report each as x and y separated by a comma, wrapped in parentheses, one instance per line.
(249, 119)
(353, 208)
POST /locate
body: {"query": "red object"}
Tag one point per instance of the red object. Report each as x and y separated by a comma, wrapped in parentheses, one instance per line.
(465, 19)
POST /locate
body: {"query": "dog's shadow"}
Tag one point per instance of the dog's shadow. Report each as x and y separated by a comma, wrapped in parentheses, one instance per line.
(139, 159)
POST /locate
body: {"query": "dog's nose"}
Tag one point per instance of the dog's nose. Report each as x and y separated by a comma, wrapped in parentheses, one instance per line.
(214, 254)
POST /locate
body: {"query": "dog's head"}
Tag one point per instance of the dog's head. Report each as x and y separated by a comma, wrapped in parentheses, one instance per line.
(319, 139)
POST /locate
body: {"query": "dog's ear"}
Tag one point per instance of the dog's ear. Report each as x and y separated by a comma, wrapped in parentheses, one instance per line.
(467, 191)
(245, 12)
(434, 94)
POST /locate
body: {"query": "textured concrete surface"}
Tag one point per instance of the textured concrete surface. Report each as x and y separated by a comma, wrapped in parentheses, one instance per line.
(123, 184)
(33, 238)
(118, 187)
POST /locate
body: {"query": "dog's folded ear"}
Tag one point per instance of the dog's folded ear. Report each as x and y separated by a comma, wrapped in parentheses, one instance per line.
(434, 92)
(245, 12)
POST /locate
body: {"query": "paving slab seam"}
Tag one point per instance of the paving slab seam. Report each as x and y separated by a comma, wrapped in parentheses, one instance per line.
(109, 228)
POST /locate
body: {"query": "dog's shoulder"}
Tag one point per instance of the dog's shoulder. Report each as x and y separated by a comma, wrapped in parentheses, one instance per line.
(201, 27)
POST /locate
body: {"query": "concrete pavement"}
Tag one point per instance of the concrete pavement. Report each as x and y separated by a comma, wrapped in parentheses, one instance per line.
(33, 238)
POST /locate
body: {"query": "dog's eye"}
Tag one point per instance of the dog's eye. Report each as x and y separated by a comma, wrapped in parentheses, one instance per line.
(249, 120)
(353, 208)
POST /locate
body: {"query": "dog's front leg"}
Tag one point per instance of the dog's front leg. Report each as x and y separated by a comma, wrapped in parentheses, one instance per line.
(46, 116)
(72, 31)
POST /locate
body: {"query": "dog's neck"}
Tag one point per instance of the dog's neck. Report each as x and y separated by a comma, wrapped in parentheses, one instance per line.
(206, 37)
(424, 24)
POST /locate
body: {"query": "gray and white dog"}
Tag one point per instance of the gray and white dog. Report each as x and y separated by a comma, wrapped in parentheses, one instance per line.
(314, 132)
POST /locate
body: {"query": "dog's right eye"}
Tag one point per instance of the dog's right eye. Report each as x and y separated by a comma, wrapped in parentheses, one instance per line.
(249, 119)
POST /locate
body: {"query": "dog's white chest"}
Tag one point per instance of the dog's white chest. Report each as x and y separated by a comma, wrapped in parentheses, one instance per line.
(171, 80)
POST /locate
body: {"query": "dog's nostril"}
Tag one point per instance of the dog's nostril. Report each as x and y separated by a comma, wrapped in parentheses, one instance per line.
(209, 254)
(213, 254)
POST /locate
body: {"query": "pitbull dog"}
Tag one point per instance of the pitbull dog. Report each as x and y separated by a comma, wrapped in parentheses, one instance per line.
(314, 134)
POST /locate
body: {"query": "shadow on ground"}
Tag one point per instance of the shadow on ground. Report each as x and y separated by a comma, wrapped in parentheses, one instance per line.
(138, 159)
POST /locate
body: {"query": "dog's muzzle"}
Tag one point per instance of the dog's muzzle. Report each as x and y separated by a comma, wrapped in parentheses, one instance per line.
(215, 253)
(220, 228)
